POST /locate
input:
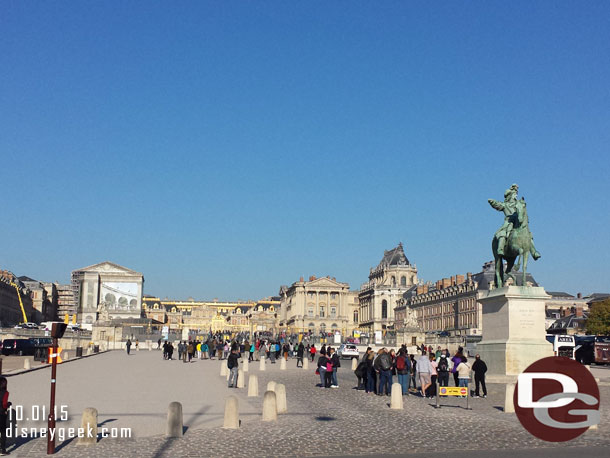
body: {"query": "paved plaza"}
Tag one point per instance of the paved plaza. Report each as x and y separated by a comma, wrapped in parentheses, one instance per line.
(134, 391)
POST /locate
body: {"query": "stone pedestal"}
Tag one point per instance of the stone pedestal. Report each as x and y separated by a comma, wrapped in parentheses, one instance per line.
(513, 331)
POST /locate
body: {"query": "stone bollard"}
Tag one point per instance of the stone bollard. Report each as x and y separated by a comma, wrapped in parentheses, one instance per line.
(396, 399)
(305, 363)
(354, 364)
(241, 383)
(509, 406)
(271, 386)
(89, 351)
(282, 364)
(280, 398)
(27, 365)
(269, 406)
(89, 425)
(65, 355)
(174, 420)
(245, 365)
(231, 413)
(224, 370)
(253, 386)
(262, 363)
(589, 368)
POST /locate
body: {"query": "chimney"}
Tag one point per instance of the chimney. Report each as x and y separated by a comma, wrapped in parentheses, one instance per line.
(469, 276)
(425, 288)
(459, 279)
(453, 281)
(301, 279)
(579, 295)
(578, 312)
(446, 282)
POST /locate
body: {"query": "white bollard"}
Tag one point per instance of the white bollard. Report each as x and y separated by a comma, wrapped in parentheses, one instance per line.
(65, 355)
(231, 413)
(305, 363)
(280, 398)
(27, 365)
(282, 364)
(269, 406)
(253, 386)
(241, 383)
(224, 370)
(245, 365)
(396, 399)
(262, 363)
(354, 364)
(89, 426)
(509, 405)
(271, 386)
(174, 420)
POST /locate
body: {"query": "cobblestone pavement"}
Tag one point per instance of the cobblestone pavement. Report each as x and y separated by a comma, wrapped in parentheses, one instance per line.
(341, 422)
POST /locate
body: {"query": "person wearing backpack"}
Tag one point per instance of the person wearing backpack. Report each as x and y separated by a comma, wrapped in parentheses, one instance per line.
(442, 368)
(383, 365)
(403, 370)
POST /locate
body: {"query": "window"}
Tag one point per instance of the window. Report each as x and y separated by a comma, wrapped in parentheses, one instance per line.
(403, 281)
(384, 309)
(333, 295)
(393, 281)
(322, 312)
(355, 316)
(309, 311)
(311, 294)
(333, 312)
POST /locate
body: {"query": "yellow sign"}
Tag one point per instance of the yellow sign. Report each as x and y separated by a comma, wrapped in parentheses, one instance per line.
(453, 391)
(55, 355)
(67, 319)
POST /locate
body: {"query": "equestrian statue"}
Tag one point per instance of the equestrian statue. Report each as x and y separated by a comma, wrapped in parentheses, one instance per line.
(513, 240)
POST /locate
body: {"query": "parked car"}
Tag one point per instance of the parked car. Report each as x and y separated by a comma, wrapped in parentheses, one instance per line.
(18, 347)
(348, 351)
(26, 326)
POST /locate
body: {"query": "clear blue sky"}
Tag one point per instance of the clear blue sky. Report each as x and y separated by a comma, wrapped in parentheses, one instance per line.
(226, 148)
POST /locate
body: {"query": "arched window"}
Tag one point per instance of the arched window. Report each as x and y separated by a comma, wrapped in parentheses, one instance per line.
(384, 309)
(393, 280)
(403, 281)
(334, 325)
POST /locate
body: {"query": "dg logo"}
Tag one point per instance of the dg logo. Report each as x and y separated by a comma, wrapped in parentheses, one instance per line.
(557, 399)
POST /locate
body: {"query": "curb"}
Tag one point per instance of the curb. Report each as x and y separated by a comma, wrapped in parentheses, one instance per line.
(37, 368)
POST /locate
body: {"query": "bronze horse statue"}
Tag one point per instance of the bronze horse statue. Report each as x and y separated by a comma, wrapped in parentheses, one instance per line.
(519, 244)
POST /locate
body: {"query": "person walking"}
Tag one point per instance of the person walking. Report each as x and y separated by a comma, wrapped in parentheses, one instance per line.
(128, 345)
(212, 347)
(170, 350)
(424, 369)
(232, 364)
(312, 352)
(204, 350)
(300, 354)
(442, 369)
(463, 371)
(412, 379)
(4, 406)
(334, 358)
(158, 344)
(190, 349)
(251, 352)
(479, 368)
(371, 374)
(403, 368)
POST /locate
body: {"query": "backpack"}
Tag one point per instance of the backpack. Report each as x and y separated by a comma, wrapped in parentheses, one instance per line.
(329, 366)
(443, 366)
(400, 363)
(385, 362)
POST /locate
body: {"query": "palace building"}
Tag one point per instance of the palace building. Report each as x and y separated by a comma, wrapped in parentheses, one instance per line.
(392, 278)
(319, 305)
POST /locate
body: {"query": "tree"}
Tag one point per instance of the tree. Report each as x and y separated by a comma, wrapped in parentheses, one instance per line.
(598, 322)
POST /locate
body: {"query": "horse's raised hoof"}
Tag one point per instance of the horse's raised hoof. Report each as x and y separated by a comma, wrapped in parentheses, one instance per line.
(536, 256)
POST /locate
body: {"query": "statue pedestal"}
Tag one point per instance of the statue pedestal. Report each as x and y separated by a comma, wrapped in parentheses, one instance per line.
(513, 331)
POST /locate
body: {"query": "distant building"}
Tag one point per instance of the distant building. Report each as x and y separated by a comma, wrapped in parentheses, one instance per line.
(319, 305)
(388, 282)
(562, 304)
(107, 291)
(11, 290)
(66, 305)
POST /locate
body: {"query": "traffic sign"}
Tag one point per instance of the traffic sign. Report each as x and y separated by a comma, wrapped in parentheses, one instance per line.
(55, 355)
(453, 391)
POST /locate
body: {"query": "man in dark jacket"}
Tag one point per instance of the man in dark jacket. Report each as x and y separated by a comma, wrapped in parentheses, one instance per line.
(232, 364)
(383, 365)
(479, 368)
(334, 358)
(324, 380)
(300, 353)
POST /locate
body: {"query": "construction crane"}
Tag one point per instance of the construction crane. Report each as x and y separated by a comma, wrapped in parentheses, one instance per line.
(25, 318)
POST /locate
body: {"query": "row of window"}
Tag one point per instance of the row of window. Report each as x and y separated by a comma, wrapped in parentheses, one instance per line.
(312, 294)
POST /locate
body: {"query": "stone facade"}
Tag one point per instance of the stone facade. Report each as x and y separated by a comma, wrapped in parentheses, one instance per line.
(11, 289)
(387, 284)
(107, 291)
(320, 305)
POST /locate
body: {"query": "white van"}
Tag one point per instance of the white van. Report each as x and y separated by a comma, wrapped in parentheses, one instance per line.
(563, 345)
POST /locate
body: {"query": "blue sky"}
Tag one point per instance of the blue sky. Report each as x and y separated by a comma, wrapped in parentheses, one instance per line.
(226, 148)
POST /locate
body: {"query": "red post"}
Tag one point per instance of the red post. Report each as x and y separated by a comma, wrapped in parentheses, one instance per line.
(51, 441)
